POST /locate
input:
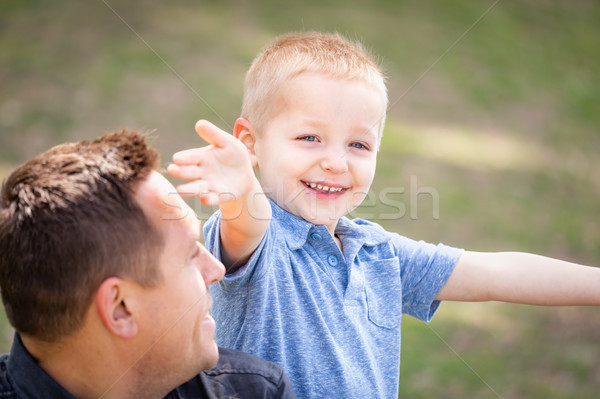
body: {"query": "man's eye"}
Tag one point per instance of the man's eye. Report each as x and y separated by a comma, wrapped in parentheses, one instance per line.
(196, 251)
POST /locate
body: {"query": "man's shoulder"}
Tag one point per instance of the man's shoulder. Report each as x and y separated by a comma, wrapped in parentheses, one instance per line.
(240, 375)
(232, 361)
(6, 389)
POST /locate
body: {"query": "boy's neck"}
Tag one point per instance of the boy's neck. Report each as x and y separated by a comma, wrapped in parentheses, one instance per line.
(330, 227)
(338, 242)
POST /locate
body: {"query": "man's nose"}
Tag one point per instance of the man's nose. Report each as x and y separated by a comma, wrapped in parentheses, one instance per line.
(212, 270)
(335, 160)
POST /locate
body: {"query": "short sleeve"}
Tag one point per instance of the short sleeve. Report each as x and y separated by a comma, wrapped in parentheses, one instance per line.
(424, 269)
(255, 268)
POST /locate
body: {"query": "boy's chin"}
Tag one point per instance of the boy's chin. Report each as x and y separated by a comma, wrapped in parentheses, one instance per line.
(319, 215)
(328, 219)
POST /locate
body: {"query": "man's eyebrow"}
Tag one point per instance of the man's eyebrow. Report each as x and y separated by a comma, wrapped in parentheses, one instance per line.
(190, 240)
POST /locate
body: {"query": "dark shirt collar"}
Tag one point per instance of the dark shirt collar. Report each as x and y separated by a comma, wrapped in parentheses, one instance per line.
(28, 379)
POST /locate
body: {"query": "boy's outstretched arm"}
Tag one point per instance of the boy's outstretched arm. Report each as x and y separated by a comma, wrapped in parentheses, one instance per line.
(521, 278)
(222, 174)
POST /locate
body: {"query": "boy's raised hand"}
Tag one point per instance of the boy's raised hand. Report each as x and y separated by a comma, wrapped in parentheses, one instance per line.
(220, 172)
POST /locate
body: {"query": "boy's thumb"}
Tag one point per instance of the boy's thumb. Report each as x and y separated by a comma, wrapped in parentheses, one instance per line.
(211, 134)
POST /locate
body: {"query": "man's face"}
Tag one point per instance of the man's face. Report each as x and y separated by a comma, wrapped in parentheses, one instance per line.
(317, 157)
(175, 319)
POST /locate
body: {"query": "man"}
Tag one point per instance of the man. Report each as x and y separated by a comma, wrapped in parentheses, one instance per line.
(105, 283)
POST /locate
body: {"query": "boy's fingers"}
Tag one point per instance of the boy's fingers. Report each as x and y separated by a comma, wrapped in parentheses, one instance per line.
(200, 189)
(210, 198)
(212, 134)
(185, 172)
(197, 187)
(189, 157)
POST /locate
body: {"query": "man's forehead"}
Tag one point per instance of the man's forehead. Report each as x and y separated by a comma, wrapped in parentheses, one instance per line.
(159, 199)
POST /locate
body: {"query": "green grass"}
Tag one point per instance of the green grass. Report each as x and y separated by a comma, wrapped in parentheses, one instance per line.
(501, 126)
(458, 354)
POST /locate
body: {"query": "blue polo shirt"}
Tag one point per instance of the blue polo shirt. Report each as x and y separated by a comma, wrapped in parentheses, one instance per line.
(331, 319)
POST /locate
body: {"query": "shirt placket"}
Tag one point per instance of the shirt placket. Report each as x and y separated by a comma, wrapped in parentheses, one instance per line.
(331, 257)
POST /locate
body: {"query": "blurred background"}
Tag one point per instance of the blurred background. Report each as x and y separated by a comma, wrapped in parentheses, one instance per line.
(491, 142)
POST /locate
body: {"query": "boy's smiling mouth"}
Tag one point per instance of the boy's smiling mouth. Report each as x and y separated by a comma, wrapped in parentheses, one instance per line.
(324, 188)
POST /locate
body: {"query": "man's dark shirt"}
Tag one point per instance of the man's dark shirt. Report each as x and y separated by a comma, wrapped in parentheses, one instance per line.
(236, 375)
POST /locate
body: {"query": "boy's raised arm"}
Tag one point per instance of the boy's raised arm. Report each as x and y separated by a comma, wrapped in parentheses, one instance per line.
(222, 174)
(521, 278)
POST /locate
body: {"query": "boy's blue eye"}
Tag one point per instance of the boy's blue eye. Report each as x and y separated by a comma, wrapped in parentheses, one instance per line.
(308, 138)
(360, 146)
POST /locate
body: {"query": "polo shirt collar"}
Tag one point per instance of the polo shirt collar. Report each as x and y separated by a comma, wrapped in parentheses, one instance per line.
(367, 237)
(296, 229)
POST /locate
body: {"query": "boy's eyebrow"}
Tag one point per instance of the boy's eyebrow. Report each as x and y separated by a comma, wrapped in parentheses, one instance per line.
(313, 122)
(362, 129)
(366, 131)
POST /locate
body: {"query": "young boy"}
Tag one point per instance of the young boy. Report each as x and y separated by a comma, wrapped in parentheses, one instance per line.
(306, 287)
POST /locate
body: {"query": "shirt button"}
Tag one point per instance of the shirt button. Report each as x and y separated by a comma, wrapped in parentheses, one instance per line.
(332, 260)
(316, 236)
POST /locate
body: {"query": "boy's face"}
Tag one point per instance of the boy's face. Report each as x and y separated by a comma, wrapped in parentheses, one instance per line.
(317, 157)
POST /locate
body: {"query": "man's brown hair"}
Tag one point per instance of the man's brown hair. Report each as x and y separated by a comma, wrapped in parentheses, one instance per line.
(68, 221)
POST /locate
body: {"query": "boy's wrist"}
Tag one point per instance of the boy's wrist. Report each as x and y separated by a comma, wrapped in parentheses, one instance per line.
(251, 202)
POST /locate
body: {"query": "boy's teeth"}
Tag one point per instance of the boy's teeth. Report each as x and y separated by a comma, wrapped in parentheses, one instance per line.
(324, 188)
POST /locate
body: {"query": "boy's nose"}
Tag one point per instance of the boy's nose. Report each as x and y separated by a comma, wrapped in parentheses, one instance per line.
(335, 161)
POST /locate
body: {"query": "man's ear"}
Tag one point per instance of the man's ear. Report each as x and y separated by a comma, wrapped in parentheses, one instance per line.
(244, 132)
(114, 304)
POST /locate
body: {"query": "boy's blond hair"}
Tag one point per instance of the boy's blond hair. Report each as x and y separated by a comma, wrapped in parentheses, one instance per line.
(295, 53)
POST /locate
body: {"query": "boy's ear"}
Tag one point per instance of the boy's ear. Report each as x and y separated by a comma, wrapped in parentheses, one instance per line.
(115, 305)
(244, 132)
